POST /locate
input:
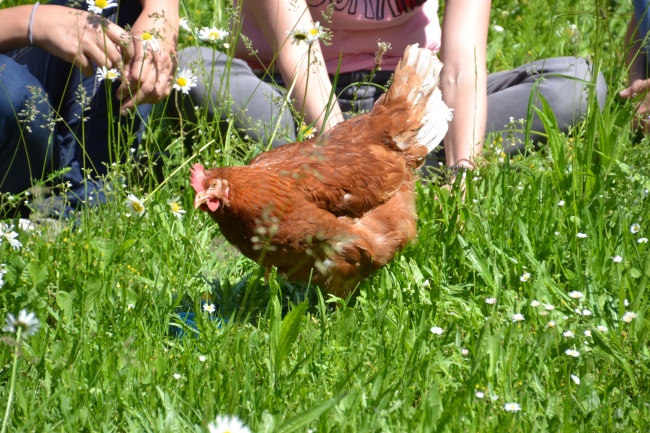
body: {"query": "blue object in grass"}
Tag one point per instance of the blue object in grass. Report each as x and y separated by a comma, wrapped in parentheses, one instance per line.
(188, 320)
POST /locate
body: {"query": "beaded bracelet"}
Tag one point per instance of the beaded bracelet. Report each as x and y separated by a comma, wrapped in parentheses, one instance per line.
(31, 23)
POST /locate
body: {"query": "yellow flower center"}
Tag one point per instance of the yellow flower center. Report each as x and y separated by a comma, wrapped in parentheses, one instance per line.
(175, 206)
(101, 3)
(146, 36)
(214, 35)
(313, 32)
(181, 81)
(137, 207)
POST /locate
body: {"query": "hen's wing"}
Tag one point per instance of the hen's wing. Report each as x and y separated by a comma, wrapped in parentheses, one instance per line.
(348, 172)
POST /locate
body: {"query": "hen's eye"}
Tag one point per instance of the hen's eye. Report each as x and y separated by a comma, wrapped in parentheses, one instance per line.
(214, 184)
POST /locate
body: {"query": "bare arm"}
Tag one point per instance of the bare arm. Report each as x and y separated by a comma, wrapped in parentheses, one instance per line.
(464, 77)
(71, 34)
(313, 86)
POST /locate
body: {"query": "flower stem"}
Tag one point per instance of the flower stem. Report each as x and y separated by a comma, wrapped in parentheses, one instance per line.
(12, 387)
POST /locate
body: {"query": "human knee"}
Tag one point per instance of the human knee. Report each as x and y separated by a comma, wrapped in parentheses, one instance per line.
(22, 96)
(569, 88)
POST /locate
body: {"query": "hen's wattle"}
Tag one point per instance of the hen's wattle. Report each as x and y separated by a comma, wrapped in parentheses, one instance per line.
(333, 209)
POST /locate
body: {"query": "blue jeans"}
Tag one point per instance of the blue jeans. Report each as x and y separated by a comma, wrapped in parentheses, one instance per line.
(53, 118)
(643, 17)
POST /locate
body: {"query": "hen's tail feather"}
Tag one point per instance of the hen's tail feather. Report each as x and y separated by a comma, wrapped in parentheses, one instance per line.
(417, 78)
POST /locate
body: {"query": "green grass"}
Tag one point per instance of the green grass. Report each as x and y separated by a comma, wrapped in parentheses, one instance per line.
(107, 292)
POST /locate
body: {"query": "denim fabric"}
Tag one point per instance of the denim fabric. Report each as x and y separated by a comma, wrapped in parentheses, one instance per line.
(643, 17)
(82, 140)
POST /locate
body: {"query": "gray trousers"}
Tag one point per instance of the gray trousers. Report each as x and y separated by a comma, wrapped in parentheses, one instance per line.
(229, 90)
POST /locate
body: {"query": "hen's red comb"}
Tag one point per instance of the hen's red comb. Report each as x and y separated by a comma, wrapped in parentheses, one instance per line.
(197, 177)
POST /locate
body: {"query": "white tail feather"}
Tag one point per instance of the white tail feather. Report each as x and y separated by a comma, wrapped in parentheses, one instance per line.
(438, 115)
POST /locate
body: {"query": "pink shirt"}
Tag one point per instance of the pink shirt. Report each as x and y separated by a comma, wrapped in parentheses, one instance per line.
(356, 26)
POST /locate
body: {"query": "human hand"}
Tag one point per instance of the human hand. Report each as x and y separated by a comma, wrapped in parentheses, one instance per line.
(81, 38)
(149, 76)
(638, 91)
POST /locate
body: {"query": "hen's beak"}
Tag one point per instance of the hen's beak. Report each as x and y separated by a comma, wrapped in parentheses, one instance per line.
(200, 198)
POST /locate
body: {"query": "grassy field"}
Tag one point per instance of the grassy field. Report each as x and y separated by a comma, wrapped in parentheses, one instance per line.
(530, 293)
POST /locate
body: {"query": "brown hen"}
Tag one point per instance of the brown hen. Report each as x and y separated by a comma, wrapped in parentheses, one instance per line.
(333, 209)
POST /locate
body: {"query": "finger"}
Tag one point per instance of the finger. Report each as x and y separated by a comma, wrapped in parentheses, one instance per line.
(143, 75)
(640, 86)
(98, 56)
(165, 77)
(626, 93)
(127, 105)
(85, 64)
(122, 40)
(163, 86)
(112, 53)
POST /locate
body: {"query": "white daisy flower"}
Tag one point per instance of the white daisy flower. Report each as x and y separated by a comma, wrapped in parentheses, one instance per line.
(634, 228)
(148, 41)
(464, 352)
(27, 322)
(7, 233)
(587, 333)
(306, 34)
(581, 235)
(568, 334)
(497, 28)
(480, 394)
(551, 324)
(535, 303)
(314, 33)
(586, 312)
(228, 424)
(576, 294)
(518, 317)
(98, 6)
(437, 330)
(177, 210)
(184, 24)
(629, 317)
(572, 352)
(617, 259)
(130, 307)
(642, 240)
(135, 205)
(210, 308)
(575, 379)
(212, 34)
(512, 407)
(491, 301)
(549, 307)
(184, 81)
(525, 277)
(298, 34)
(626, 302)
(560, 203)
(107, 74)
(202, 358)
(177, 376)
(602, 328)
